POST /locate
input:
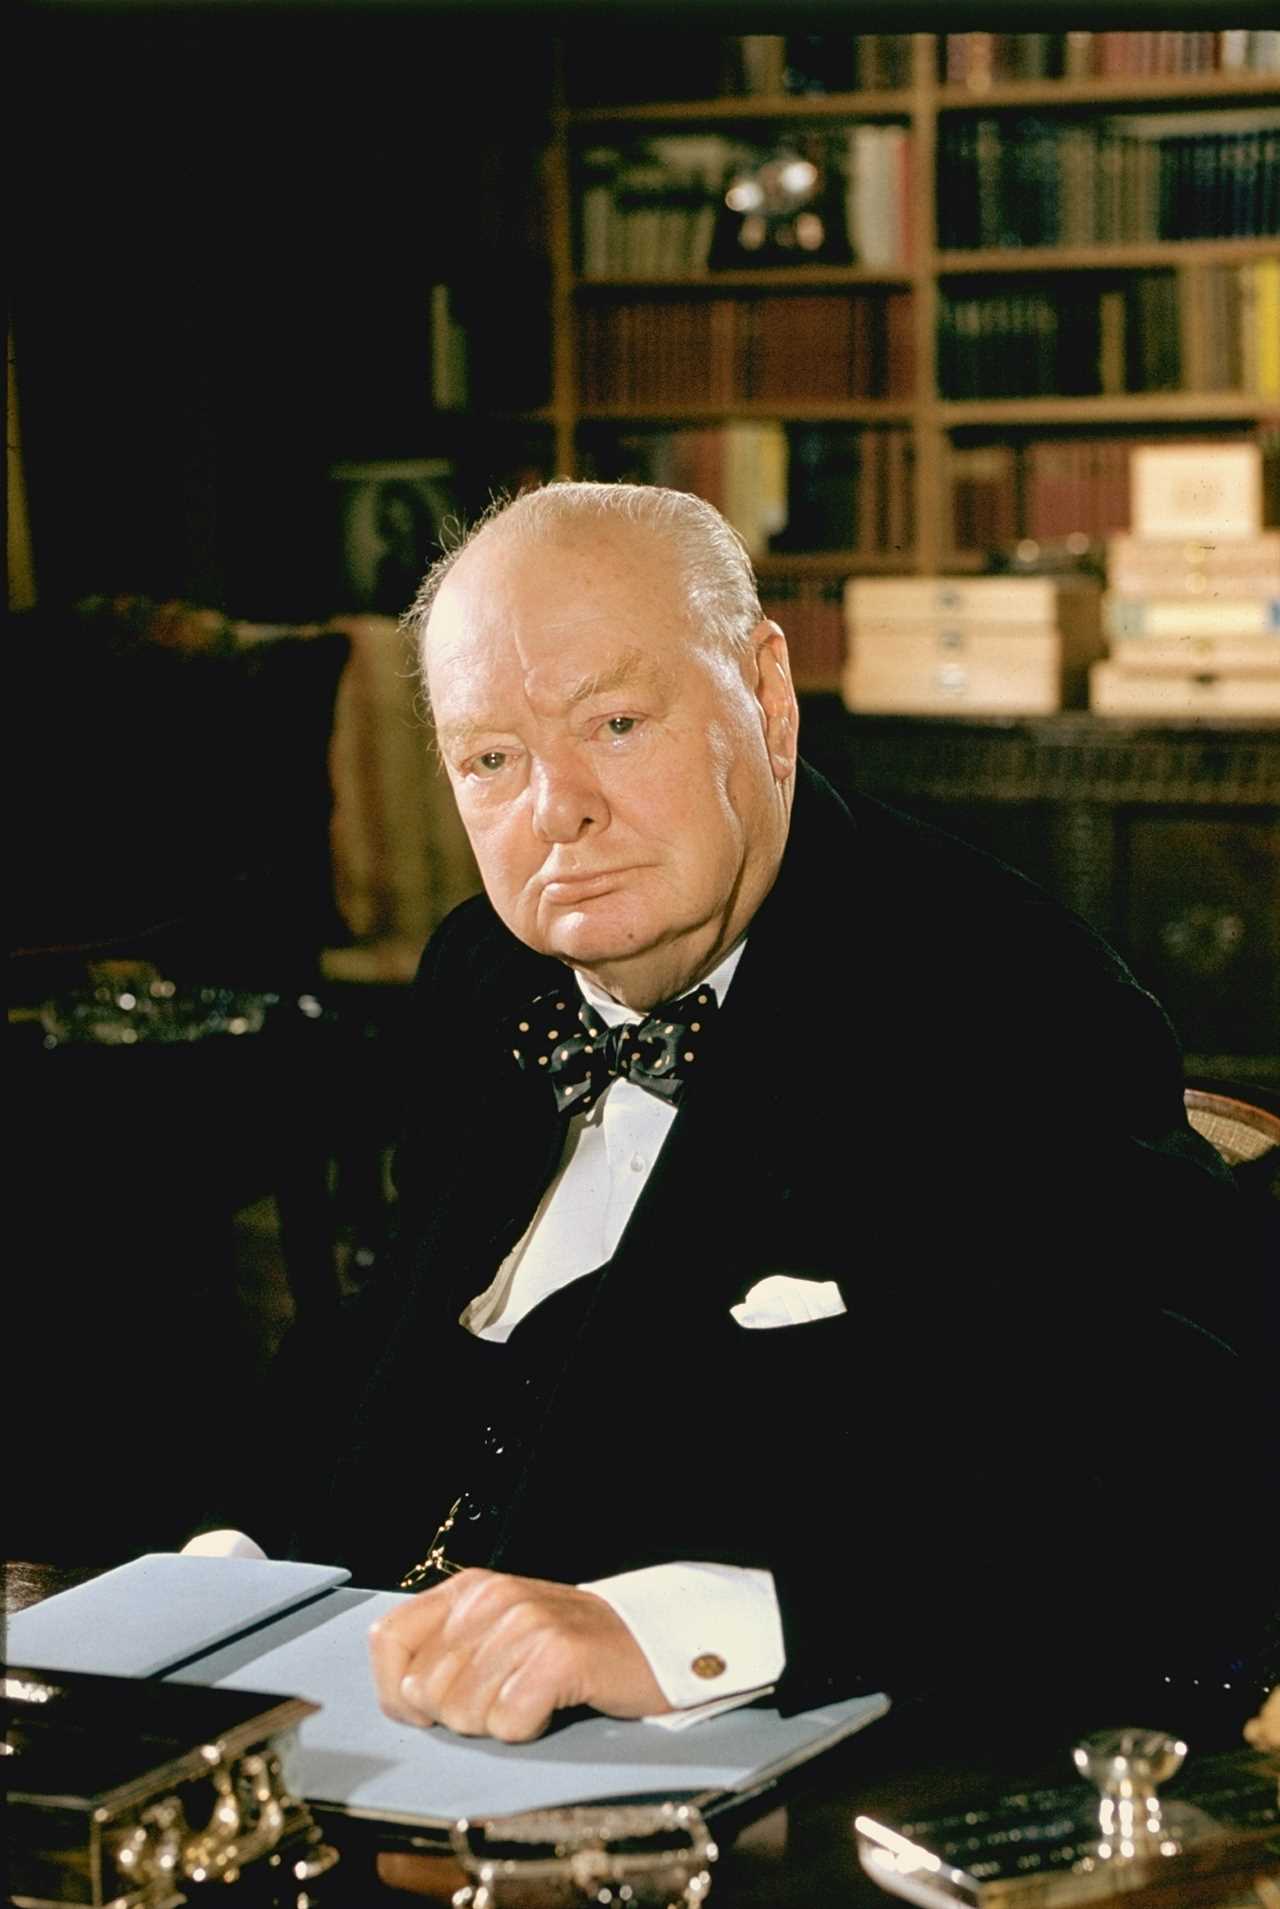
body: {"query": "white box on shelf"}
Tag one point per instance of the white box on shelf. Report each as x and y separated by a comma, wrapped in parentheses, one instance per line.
(1210, 491)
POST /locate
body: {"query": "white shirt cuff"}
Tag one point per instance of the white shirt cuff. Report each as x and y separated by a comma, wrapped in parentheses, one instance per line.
(712, 1633)
(221, 1544)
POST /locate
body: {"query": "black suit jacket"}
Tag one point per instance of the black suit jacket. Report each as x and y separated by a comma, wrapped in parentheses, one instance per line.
(933, 1085)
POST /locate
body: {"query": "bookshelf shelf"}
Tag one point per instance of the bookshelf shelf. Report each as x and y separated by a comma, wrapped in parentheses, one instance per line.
(830, 563)
(748, 109)
(1099, 92)
(762, 278)
(835, 410)
(1154, 407)
(1102, 258)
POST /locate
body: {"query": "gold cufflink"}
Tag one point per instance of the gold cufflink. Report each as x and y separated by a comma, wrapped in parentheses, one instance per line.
(708, 1665)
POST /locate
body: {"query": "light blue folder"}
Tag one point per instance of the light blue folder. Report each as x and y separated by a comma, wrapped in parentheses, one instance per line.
(298, 1630)
(146, 1616)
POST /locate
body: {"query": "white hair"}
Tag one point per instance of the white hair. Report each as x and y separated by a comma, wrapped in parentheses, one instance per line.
(715, 565)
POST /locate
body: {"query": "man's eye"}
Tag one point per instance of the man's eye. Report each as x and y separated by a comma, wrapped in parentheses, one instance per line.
(620, 725)
(490, 762)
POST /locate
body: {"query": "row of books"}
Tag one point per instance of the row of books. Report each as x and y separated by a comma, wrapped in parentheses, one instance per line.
(679, 205)
(1055, 489)
(978, 60)
(775, 349)
(1217, 328)
(810, 611)
(1238, 319)
(1031, 181)
(1077, 338)
(788, 489)
(652, 209)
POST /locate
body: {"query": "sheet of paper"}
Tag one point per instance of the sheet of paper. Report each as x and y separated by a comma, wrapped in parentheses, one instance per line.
(350, 1755)
(149, 1614)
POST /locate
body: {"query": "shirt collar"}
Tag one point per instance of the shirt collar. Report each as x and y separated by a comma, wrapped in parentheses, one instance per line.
(614, 1014)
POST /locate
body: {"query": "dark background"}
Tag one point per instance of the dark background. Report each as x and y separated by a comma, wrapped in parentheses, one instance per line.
(227, 225)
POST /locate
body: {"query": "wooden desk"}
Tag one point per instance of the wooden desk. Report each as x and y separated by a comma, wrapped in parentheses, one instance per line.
(802, 1855)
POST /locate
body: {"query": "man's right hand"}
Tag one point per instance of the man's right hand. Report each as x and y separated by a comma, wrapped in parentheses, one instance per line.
(492, 1655)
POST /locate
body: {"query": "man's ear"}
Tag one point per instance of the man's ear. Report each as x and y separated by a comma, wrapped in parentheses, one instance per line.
(776, 696)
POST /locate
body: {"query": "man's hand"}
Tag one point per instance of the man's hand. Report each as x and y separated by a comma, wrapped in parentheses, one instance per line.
(490, 1655)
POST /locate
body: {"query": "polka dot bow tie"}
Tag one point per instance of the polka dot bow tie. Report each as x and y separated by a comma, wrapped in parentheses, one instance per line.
(563, 1037)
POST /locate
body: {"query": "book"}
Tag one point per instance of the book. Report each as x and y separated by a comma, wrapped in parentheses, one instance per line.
(984, 497)
(1266, 277)
(877, 194)
(352, 1760)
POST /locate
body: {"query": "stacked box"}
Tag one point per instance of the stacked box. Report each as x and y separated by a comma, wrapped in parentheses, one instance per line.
(969, 646)
(1192, 610)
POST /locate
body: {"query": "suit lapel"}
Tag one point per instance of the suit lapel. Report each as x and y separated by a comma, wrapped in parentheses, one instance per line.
(731, 1155)
(502, 1135)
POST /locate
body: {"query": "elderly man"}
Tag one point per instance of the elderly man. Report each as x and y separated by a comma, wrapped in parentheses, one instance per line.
(800, 1220)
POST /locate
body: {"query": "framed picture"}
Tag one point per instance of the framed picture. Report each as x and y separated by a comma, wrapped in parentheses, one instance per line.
(391, 518)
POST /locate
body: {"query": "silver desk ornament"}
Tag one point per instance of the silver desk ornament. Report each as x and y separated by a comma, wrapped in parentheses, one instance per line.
(1215, 1844)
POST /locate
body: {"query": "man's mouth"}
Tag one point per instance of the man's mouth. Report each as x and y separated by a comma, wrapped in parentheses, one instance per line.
(561, 889)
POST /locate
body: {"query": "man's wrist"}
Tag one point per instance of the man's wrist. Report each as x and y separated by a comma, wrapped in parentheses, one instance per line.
(708, 1631)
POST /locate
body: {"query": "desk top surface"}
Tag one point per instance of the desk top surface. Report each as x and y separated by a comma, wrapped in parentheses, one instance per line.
(915, 1762)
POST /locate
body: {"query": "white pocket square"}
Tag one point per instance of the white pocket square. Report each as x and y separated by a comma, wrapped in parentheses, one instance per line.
(783, 1300)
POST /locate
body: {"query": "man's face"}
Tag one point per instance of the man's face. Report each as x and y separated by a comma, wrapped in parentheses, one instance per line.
(625, 786)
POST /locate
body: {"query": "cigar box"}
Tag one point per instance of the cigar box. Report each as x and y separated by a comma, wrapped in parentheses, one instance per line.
(123, 1791)
(1207, 491)
(1055, 601)
(1115, 690)
(1195, 567)
(1208, 616)
(972, 646)
(1197, 653)
(949, 671)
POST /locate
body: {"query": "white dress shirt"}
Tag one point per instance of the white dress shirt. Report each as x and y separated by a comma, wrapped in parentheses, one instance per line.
(679, 1614)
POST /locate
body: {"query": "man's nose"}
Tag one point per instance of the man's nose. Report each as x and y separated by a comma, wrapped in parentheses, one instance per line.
(567, 799)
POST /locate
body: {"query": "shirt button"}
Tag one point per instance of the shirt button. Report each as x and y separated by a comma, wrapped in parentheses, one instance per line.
(708, 1665)
(638, 1163)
